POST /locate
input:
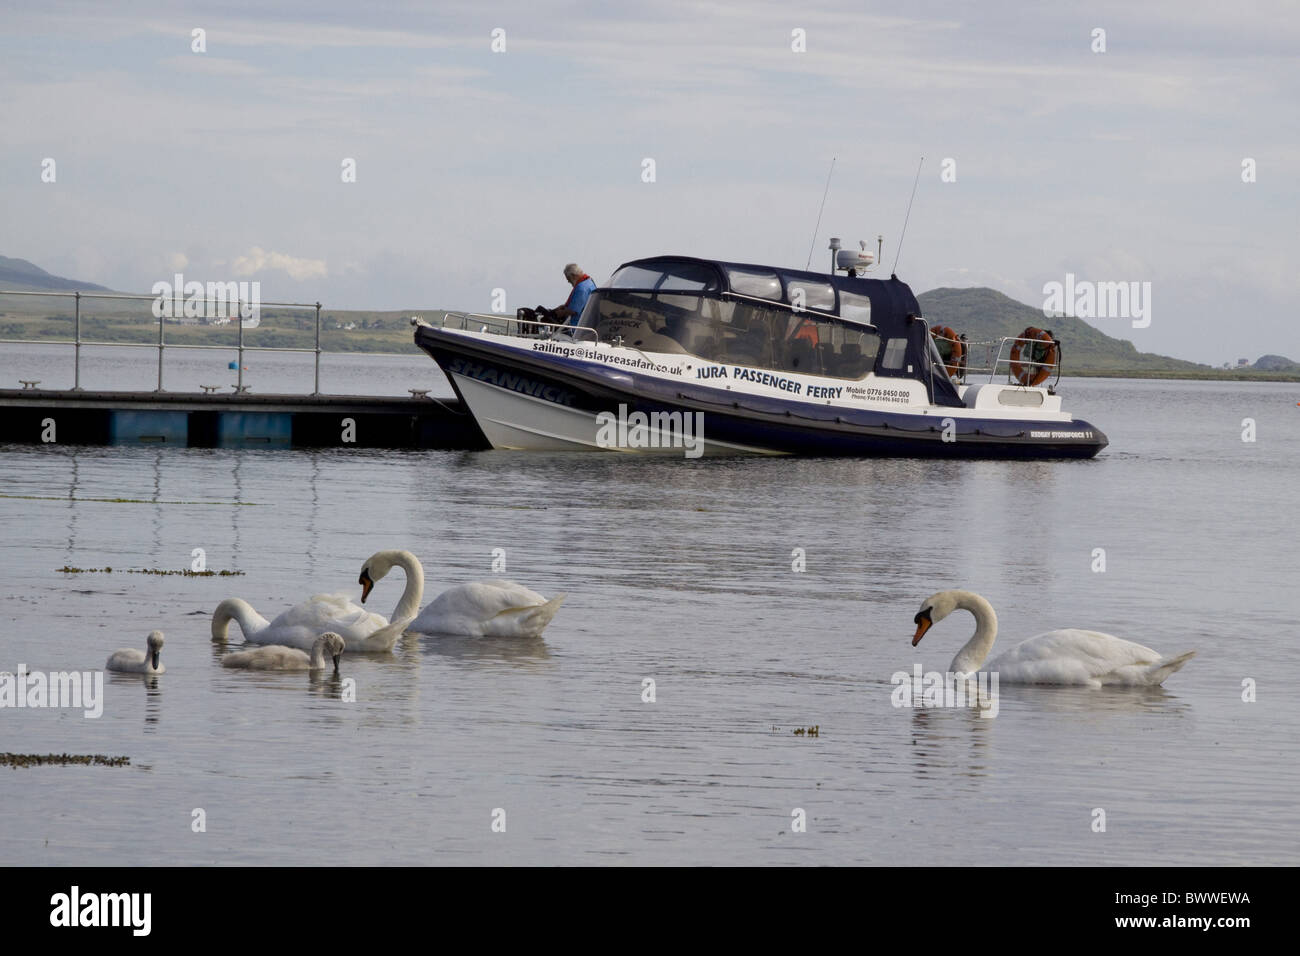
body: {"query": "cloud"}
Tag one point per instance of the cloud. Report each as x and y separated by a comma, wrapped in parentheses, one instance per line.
(259, 260)
(1067, 160)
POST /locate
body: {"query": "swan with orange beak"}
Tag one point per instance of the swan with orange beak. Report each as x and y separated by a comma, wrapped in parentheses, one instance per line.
(1066, 657)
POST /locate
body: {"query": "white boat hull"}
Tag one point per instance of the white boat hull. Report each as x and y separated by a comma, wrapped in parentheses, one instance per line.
(513, 420)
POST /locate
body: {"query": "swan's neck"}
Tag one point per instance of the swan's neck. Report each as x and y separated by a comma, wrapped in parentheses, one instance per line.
(240, 611)
(317, 656)
(409, 606)
(976, 650)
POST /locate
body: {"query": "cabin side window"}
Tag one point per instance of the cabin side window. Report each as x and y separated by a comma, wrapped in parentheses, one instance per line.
(805, 294)
(855, 308)
(895, 353)
(855, 353)
(763, 285)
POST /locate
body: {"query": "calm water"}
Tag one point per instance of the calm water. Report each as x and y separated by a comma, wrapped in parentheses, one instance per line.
(678, 571)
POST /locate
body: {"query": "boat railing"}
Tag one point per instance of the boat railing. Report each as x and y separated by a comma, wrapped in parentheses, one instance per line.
(497, 323)
(994, 360)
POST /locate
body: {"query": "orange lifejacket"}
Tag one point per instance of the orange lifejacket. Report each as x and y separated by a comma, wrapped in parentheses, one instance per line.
(808, 331)
(1033, 357)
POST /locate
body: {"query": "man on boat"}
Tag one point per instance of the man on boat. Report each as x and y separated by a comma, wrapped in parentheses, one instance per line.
(583, 287)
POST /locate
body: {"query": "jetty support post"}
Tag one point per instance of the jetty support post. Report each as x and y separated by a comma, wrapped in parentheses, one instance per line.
(239, 321)
(316, 390)
(76, 361)
(160, 350)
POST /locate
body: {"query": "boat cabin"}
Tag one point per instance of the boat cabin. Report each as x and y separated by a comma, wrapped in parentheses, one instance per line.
(810, 323)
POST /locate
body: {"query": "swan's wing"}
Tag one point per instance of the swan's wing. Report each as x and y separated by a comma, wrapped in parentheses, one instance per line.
(470, 608)
(510, 593)
(379, 640)
(273, 657)
(126, 658)
(321, 613)
(1070, 656)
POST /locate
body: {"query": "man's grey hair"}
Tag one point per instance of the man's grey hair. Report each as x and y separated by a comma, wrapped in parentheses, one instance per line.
(572, 269)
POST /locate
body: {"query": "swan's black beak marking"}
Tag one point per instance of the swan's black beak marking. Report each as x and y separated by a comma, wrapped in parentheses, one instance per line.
(366, 585)
(923, 624)
(155, 660)
(336, 663)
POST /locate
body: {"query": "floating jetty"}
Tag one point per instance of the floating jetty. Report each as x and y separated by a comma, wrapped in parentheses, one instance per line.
(241, 420)
(77, 416)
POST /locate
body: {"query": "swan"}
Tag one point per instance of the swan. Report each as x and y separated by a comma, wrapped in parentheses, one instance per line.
(299, 626)
(494, 608)
(302, 624)
(130, 660)
(277, 657)
(1069, 656)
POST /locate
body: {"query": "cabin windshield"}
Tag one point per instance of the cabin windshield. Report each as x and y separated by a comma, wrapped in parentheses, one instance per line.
(656, 310)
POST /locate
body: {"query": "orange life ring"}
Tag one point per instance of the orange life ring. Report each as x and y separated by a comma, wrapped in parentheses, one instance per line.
(1033, 357)
(951, 348)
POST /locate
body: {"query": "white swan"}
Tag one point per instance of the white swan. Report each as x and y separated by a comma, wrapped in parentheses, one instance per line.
(299, 626)
(493, 608)
(277, 657)
(1069, 656)
(130, 660)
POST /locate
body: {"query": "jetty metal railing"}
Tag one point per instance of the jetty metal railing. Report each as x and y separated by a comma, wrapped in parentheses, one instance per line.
(236, 320)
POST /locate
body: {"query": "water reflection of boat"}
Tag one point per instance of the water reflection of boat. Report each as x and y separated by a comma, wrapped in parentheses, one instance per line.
(766, 360)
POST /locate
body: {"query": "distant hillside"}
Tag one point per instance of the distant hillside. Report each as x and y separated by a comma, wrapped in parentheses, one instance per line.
(983, 314)
(22, 276)
(1276, 363)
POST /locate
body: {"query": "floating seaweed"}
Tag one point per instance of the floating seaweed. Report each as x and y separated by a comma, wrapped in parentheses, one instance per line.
(61, 760)
(184, 572)
(130, 501)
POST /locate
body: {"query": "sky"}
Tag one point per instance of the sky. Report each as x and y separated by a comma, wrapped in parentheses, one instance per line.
(493, 143)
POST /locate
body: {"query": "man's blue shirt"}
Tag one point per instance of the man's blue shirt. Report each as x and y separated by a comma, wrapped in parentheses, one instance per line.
(578, 299)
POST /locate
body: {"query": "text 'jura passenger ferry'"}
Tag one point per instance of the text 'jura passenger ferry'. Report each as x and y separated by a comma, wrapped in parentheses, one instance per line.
(753, 359)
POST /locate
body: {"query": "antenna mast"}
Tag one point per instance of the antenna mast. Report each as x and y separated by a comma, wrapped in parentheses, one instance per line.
(819, 214)
(893, 273)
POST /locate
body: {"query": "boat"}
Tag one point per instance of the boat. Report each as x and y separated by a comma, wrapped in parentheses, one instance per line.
(682, 355)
